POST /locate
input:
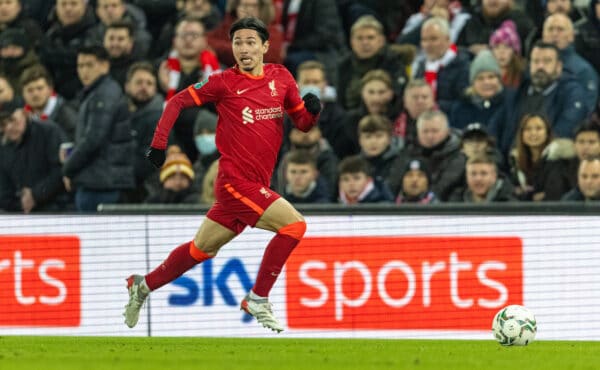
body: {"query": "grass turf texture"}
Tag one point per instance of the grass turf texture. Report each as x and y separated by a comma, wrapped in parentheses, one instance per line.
(67, 353)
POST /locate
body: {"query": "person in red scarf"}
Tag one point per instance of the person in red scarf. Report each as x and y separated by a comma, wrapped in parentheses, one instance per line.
(43, 103)
(189, 61)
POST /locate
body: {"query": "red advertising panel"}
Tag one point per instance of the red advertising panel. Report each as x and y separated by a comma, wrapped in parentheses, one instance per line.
(40, 281)
(389, 283)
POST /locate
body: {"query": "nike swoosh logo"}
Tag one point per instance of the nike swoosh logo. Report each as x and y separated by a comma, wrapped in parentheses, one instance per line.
(239, 92)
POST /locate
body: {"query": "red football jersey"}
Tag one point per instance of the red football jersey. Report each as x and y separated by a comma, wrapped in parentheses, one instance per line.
(250, 126)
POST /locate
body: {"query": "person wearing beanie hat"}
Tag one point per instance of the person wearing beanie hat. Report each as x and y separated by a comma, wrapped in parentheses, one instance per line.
(506, 46)
(416, 184)
(176, 177)
(483, 62)
(486, 99)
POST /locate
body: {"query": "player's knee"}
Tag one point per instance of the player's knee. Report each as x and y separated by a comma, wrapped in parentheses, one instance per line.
(296, 229)
(205, 248)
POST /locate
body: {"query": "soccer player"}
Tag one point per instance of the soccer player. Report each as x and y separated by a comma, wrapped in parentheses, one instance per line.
(251, 99)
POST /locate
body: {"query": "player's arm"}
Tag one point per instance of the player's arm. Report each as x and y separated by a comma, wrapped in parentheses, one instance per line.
(184, 99)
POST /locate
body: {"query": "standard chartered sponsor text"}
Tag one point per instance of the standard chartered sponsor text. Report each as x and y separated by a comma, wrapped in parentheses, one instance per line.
(268, 113)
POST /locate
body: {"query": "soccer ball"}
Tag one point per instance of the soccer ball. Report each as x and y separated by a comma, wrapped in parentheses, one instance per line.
(514, 326)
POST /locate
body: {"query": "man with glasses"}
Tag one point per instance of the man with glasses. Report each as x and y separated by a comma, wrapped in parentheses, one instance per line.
(190, 61)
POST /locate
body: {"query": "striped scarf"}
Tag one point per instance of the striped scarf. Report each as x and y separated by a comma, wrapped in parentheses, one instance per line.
(208, 62)
(48, 108)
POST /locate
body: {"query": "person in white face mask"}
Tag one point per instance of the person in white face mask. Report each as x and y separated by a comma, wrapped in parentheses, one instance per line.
(205, 128)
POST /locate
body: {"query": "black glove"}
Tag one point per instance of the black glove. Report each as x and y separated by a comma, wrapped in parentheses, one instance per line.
(312, 103)
(156, 156)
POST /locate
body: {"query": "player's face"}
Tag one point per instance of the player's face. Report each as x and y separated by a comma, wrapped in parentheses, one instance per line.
(414, 182)
(249, 50)
(374, 143)
(480, 178)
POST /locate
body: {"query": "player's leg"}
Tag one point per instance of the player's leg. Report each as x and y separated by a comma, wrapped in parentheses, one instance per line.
(288, 224)
(211, 236)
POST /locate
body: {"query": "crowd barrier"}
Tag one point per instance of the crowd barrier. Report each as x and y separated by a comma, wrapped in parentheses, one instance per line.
(360, 272)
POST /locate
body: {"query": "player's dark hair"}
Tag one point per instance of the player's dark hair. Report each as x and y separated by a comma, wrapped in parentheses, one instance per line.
(250, 23)
(96, 50)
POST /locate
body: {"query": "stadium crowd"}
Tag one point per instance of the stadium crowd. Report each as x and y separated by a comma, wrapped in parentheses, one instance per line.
(423, 101)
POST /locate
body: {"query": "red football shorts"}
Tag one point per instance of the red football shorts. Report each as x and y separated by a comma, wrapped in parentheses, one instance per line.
(240, 203)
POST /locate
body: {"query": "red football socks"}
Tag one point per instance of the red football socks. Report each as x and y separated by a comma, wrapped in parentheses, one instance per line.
(177, 263)
(277, 252)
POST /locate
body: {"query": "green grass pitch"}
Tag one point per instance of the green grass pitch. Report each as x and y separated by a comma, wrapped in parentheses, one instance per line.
(115, 353)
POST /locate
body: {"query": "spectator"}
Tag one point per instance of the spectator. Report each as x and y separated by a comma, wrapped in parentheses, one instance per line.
(43, 104)
(70, 28)
(546, 91)
(377, 97)
(450, 10)
(145, 107)
(538, 159)
(16, 55)
(30, 176)
(208, 184)
(313, 143)
(439, 148)
(587, 35)
(416, 184)
(304, 185)
(369, 50)
(13, 17)
(119, 43)
(484, 185)
(205, 129)
(112, 11)
(588, 182)
(101, 164)
(443, 67)
(418, 98)
(375, 140)
(189, 62)
(218, 38)
(176, 177)
(202, 11)
(587, 144)
(486, 100)
(311, 77)
(356, 185)
(487, 18)
(506, 46)
(558, 30)
(476, 142)
(7, 92)
(312, 31)
(546, 8)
